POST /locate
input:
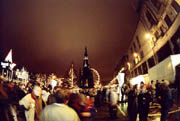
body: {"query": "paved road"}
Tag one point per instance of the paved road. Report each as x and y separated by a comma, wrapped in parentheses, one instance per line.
(154, 115)
(103, 115)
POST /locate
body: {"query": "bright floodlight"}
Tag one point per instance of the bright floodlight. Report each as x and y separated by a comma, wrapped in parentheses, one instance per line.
(148, 35)
(135, 55)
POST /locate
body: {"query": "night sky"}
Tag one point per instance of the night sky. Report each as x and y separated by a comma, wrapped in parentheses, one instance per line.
(48, 35)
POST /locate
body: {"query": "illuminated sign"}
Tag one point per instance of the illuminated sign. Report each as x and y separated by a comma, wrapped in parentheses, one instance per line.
(4, 65)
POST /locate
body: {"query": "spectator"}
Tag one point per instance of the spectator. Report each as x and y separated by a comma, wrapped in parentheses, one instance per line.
(32, 104)
(157, 90)
(113, 103)
(132, 104)
(83, 106)
(166, 100)
(144, 99)
(59, 111)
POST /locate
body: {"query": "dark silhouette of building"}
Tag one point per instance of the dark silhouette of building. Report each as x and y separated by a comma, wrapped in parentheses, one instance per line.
(86, 75)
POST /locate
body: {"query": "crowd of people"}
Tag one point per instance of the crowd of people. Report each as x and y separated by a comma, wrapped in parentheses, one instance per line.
(140, 98)
(34, 102)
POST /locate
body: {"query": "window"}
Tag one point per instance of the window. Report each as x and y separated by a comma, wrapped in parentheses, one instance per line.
(162, 31)
(151, 62)
(138, 42)
(142, 54)
(144, 67)
(134, 45)
(168, 21)
(176, 42)
(156, 3)
(150, 18)
(131, 50)
(176, 6)
(139, 70)
(136, 72)
(134, 62)
(164, 52)
(157, 34)
(164, 27)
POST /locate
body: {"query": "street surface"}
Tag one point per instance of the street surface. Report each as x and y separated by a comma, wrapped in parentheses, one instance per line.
(154, 114)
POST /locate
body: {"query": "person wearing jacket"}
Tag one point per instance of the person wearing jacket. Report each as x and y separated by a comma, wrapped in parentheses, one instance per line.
(144, 99)
(32, 104)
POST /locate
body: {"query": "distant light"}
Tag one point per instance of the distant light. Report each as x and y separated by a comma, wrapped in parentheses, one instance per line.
(135, 55)
(148, 35)
(129, 65)
(122, 69)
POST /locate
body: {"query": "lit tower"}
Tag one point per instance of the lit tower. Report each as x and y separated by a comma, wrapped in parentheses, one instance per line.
(86, 75)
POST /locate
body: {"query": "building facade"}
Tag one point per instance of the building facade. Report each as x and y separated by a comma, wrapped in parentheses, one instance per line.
(157, 36)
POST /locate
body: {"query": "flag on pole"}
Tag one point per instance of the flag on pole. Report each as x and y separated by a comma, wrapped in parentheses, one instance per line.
(9, 57)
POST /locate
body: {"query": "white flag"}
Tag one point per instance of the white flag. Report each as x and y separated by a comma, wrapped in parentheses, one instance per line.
(9, 57)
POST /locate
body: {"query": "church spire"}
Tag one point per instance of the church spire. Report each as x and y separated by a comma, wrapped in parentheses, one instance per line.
(85, 64)
(85, 53)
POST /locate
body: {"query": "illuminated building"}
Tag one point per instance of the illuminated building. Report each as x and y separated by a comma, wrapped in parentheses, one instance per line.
(156, 38)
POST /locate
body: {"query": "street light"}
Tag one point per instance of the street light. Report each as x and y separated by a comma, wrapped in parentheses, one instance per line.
(122, 69)
(148, 35)
(135, 54)
(129, 65)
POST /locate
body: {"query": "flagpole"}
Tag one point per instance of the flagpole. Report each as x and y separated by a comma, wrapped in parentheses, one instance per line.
(12, 75)
(7, 75)
(2, 72)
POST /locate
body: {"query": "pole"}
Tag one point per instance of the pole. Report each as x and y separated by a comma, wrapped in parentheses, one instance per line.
(3, 72)
(7, 75)
(12, 75)
(72, 79)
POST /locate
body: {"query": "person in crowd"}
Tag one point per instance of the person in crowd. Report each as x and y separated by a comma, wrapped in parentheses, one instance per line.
(103, 97)
(98, 98)
(45, 95)
(123, 90)
(152, 90)
(144, 99)
(166, 100)
(113, 100)
(132, 103)
(32, 104)
(141, 87)
(59, 111)
(157, 89)
(3, 103)
(29, 87)
(83, 106)
(107, 94)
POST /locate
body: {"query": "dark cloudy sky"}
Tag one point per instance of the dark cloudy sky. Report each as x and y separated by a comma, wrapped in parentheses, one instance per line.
(47, 35)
